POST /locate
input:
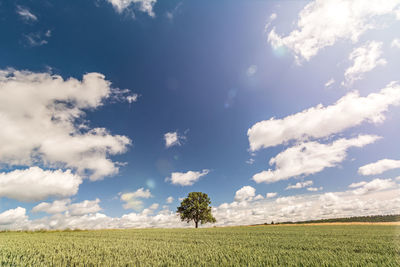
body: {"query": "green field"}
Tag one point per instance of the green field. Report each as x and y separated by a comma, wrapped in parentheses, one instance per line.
(296, 245)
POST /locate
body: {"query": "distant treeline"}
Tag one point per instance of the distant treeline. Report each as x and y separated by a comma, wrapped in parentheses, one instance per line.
(374, 218)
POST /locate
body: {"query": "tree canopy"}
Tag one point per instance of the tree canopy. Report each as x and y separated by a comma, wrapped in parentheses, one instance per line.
(196, 207)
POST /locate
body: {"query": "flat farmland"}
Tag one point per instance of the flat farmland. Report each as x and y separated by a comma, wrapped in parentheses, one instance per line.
(281, 245)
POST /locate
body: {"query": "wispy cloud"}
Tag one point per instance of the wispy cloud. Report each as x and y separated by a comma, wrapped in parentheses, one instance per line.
(365, 58)
(133, 199)
(319, 121)
(145, 6)
(309, 158)
(379, 167)
(186, 178)
(26, 14)
(321, 23)
(299, 185)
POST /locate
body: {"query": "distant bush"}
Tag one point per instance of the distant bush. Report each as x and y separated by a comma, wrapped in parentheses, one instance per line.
(373, 218)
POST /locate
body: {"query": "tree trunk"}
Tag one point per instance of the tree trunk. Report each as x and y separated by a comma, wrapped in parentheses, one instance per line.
(197, 224)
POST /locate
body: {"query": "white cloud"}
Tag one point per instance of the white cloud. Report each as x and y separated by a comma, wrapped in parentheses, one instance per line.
(329, 83)
(145, 6)
(173, 139)
(12, 216)
(172, 13)
(140, 193)
(35, 184)
(319, 121)
(35, 39)
(132, 98)
(395, 43)
(314, 189)
(250, 161)
(354, 185)
(365, 58)
(271, 195)
(75, 209)
(375, 185)
(17, 220)
(323, 22)
(154, 206)
(58, 206)
(309, 158)
(26, 14)
(300, 185)
(41, 117)
(84, 207)
(246, 193)
(379, 167)
(271, 18)
(132, 200)
(186, 178)
(258, 197)
(170, 199)
(309, 207)
(291, 208)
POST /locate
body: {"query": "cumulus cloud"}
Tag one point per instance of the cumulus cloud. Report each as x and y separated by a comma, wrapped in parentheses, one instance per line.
(186, 178)
(145, 219)
(271, 195)
(309, 158)
(319, 121)
(258, 197)
(145, 6)
(308, 207)
(170, 199)
(374, 185)
(364, 58)
(154, 206)
(41, 117)
(379, 167)
(323, 22)
(57, 206)
(84, 207)
(64, 205)
(132, 199)
(26, 14)
(12, 216)
(300, 185)
(173, 139)
(246, 193)
(35, 184)
(292, 208)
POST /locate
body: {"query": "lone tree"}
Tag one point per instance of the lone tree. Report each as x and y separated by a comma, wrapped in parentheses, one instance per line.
(196, 207)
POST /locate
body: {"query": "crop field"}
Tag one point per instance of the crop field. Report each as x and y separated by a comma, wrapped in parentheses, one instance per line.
(296, 245)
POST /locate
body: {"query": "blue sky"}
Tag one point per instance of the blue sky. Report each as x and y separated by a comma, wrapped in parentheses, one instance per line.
(276, 109)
